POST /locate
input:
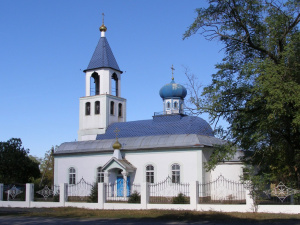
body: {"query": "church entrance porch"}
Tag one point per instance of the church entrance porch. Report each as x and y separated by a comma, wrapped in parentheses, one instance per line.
(118, 175)
(117, 185)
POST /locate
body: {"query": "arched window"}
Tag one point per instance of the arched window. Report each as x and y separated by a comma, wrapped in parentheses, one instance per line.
(95, 90)
(168, 105)
(176, 173)
(112, 108)
(100, 175)
(115, 89)
(87, 108)
(120, 110)
(150, 173)
(97, 107)
(72, 175)
(175, 105)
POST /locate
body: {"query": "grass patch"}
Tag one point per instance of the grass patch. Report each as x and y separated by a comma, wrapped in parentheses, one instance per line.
(70, 212)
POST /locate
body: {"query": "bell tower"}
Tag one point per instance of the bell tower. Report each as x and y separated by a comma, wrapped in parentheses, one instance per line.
(102, 104)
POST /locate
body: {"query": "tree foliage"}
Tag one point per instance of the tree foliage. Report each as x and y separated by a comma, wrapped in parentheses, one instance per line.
(257, 85)
(47, 169)
(15, 164)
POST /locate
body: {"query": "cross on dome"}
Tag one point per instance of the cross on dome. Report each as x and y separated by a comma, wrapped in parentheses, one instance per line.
(172, 68)
(117, 131)
(103, 28)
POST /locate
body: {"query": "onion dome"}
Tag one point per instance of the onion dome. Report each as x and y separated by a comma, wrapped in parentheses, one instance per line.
(173, 90)
(117, 145)
(103, 28)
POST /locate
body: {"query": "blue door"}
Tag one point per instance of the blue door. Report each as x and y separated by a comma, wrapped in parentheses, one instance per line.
(120, 186)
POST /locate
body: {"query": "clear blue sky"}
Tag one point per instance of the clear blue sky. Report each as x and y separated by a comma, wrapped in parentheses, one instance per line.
(46, 44)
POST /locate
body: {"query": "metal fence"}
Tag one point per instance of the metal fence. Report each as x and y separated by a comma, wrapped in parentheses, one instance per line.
(166, 192)
(279, 194)
(80, 191)
(222, 191)
(114, 192)
(14, 192)
(48, 194)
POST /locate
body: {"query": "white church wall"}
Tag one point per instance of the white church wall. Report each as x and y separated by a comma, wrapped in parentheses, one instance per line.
(231, 171)
(93, 120)
(93, 124)
(85, 166)
(206, 174)
(162, 161)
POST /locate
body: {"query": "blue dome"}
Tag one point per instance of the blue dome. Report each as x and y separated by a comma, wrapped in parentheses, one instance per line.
(173, 90)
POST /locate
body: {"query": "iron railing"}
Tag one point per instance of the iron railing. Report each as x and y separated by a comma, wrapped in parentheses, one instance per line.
(166, 191)
(222, 191)
(114, 192)
(79, 191)
(278, 194)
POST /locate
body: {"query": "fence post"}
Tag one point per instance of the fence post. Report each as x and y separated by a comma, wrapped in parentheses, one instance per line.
(29, 193)
(101, 195)
(144, 195)
(249, 201)
(194, 194)
(1, 192)
(63, 193)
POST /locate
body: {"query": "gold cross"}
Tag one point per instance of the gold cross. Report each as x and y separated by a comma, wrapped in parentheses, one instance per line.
(172, 68)
(117, 130)
(103, 18)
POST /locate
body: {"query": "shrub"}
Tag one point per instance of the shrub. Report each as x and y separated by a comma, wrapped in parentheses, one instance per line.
(135, 197)
(94, 193)
(56, 197)
(180, 199)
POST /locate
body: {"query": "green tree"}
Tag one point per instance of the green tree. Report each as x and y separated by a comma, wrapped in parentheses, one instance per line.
(47, 168)
(257, 85)
(15, 164)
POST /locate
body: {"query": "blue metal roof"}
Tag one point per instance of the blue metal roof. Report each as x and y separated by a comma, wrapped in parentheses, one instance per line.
(159, 125)
(103, 57)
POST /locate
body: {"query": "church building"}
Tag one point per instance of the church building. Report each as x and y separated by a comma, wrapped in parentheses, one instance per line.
(110, 149)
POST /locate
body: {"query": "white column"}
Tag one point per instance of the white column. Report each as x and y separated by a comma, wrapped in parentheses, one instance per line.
(101, 195)
(88, 83)
(194, 195)
(63, 193)
(106, 177)
(144, 195)
(1, 192)
(125, 174)
(29, 194)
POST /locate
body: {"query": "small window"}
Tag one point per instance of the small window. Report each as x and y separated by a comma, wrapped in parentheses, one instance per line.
(97, 107)
(175, 105)
(120, 110)
(150, 174)
(175, 173)
(100, 175)
(168, 105)
(72, 175)
(112, 108)
(87, 108)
